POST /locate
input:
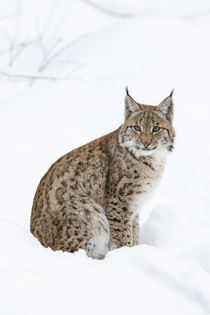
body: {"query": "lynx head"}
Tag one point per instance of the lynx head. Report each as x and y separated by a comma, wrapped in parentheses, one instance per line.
(147, 129)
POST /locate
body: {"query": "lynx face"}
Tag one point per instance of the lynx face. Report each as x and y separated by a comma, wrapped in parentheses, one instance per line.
(147, 129)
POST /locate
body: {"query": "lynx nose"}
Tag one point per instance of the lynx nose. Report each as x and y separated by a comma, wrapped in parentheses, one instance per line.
(146, 144)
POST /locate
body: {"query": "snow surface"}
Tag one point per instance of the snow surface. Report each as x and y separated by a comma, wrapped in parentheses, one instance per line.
(63, 68)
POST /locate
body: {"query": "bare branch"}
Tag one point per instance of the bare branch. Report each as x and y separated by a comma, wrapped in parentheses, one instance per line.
(60, 51)
(40, 40)
(52, 54)
(30, 78)
(14, 37)
(19, 46)
(45, 62)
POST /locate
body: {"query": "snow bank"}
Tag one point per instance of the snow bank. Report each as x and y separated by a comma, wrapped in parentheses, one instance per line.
(130, 279)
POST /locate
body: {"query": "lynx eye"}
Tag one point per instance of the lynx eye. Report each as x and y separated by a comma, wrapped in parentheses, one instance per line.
(156, 129)
(137, 128)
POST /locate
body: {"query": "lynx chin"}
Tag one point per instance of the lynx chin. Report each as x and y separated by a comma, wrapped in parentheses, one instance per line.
(90, 197)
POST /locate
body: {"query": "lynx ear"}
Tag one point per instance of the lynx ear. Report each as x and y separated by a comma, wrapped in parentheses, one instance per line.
(166, 107)
(131, 107)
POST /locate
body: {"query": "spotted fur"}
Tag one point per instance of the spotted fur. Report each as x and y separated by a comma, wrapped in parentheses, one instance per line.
(90, 197)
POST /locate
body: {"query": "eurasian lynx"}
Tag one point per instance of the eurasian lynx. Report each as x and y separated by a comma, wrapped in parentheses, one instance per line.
(89, 198)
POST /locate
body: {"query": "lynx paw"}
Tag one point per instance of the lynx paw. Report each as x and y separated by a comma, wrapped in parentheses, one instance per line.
(97, 247)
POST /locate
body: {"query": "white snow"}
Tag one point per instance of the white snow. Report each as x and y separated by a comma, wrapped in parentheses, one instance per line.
(63, 68)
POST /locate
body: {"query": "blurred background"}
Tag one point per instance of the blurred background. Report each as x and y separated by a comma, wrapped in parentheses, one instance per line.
(64, 65)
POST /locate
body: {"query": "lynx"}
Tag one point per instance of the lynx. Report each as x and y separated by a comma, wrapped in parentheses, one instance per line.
(90, 197)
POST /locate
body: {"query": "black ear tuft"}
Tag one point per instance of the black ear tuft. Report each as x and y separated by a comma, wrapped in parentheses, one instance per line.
(172, 92)
(166, 107)
(131, 107)
(126, 89)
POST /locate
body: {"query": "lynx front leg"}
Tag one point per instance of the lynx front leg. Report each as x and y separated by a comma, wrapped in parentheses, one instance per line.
(120, 222)
(136, 231)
